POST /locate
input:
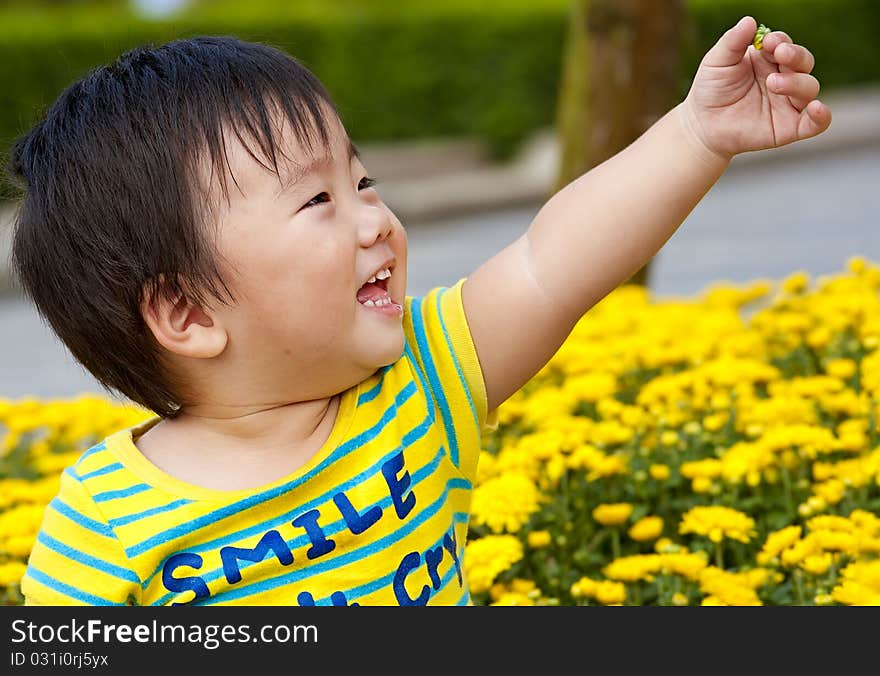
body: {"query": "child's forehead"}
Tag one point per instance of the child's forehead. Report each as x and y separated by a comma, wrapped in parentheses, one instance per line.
(344, 151)
(249, 165)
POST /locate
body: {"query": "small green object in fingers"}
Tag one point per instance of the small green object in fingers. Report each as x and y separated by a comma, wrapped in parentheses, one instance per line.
(758, 40)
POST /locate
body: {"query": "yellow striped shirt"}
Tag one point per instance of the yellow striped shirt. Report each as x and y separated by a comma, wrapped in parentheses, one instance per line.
(378, 516)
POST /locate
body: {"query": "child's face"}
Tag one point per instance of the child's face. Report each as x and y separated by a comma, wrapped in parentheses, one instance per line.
(298, 260)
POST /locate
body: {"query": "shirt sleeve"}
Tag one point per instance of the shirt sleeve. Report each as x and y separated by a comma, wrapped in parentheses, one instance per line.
(77, 559)
(441, 341)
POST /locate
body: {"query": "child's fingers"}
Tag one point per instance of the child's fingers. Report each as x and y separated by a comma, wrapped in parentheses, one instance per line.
(815, 119)
(779, 48)
(801, 88)
(729, 49)
(771, 41)
(793, 57)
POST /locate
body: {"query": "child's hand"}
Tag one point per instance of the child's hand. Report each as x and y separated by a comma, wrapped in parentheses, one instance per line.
(745, 99)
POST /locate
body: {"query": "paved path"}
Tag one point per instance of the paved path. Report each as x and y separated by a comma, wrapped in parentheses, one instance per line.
(760, 220)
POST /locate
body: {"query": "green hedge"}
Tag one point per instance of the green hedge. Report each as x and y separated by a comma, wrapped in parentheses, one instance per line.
(404, 70)
(841, 34)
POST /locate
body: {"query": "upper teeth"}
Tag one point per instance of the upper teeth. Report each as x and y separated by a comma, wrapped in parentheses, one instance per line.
(384, 273)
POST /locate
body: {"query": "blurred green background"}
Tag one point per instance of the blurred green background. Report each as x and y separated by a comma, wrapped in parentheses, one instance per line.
(397, 70)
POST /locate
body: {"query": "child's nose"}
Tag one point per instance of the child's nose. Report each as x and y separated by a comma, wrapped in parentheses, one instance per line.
(375, 225)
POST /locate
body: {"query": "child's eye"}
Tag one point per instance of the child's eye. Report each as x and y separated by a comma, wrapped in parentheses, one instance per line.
(370, 182)
(312, 201)
(366, 182)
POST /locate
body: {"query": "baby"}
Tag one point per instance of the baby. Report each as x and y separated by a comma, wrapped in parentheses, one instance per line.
(200, 231)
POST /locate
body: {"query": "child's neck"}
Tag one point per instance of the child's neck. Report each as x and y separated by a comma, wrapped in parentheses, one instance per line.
(232, 448)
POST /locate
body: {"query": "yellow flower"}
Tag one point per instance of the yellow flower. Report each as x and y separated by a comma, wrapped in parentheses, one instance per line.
(633, 568)
(817, 564)
(520, 592)
(665, 545)
(702, 484)
(776, 542)
(606, 466)
(796, 282)
(727, 588)
(798, 551)
(538, 539)
(710, 468)
(866, 521)
(853, 593)
(11, 573)
(583, 588)
(717, 522)
(758, 38)
(659, 472)
(22, 519)
(610, 593)
(860, 584)
(836, 541)
(819, 337)
(522, 586)
(513, 599)
(840, 368)
(692, 427)
(687, 564)
(487, 557)
(613, 514)
(831, 522)
(813, 504)
(646, 528)
(505, 503)
(679, 599)
(831, 491)
(715, 421)
(712, 601)
(856, 265)
(19, 546)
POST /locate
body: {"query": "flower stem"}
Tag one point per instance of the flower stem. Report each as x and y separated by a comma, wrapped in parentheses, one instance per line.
(719, 555)
(799, 587)
(786, 486)
(615, 543)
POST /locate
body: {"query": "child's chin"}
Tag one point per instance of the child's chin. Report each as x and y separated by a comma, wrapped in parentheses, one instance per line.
(393, 349)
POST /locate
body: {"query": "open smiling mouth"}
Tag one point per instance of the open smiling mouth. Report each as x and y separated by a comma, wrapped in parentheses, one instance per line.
(374, 294)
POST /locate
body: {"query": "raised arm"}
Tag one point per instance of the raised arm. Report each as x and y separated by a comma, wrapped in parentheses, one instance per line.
(584, 242)
(600, 229)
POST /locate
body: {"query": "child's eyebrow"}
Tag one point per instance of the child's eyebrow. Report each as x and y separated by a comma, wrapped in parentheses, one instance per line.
(319, 162)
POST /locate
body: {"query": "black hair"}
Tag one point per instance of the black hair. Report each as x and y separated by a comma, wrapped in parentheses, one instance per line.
(115, 208)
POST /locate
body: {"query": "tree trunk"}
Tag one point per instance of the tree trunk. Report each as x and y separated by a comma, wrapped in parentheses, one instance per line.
(620, 75)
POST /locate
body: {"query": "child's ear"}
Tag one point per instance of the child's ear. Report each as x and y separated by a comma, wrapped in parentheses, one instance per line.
(182, 327)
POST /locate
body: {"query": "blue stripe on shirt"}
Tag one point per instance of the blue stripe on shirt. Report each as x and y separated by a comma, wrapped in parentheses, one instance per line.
(90, 452)
(121, 493)
(67, 590)
(373, 392)
(461, 377)
(81, 519)
(161, 509)
(434, 380)
(107, 469)
(87, 559)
